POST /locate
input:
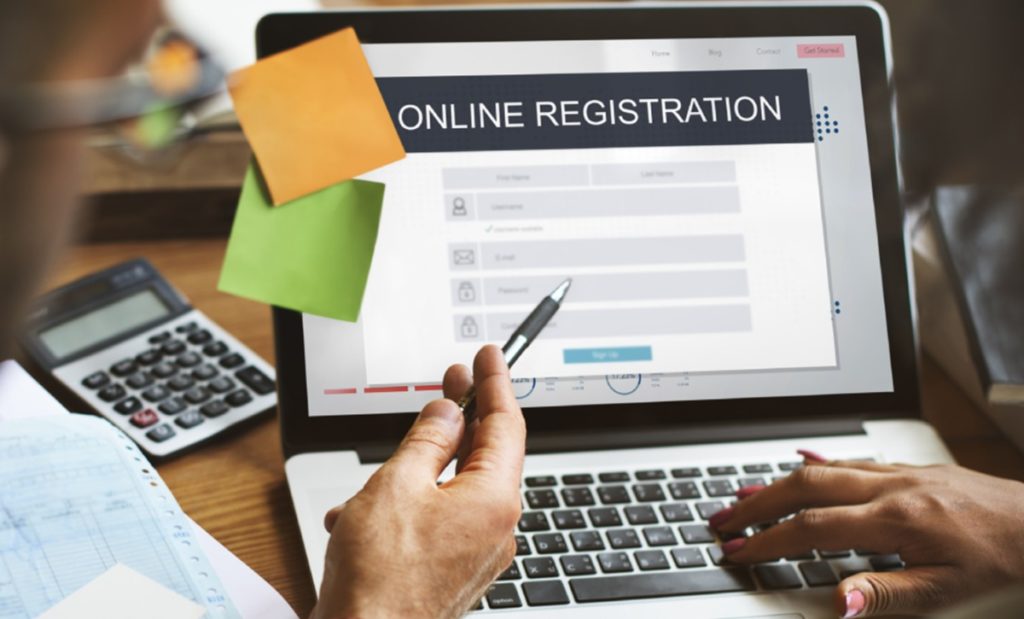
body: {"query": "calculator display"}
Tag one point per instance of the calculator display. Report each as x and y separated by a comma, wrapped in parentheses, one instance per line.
(121, 316)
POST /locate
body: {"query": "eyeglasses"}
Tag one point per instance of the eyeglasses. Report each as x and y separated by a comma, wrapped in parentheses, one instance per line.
(149, 107)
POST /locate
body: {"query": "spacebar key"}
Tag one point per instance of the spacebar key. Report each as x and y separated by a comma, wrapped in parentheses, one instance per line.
(610, 588)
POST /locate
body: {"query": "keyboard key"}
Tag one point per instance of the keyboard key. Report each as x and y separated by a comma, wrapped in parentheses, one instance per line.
(804, 556)
(221, 384)
(681, 490)
(172, 406)
(187, 327)
(189, 419)
(144, 418)
(640, 514)
(156, 393)
(613, 477)
(522, 545)
(584, 541)
(613, 494)
(163, 370)
(160, 338)
(199, 337)
(533, 521)
(96, 380)
(541, 567)
(206, 372)
(256, 380)
(649, 475)
(577, 497)
(215, 349)
(241, 398)
(614, 562)
(604, 517)
(511, 572)
(216, 408)
(188, 360)
(790, 466)
(181, 382)
(149, 357)
(125, 367)
(844, 574)
(623, 538)
(688, 557)
(715, 554)
(648, 560)
(503, 596)
(128, 406)
(172, 347)
(833, 554)
(676, 512)
(757, 468)
(659, 536)
(111, 392)
(545, 593)
(540, 499)
(686, 472)
(197, 395)
(696, 534)
(577, 565)
(549, 543)
(751, 481)
(722, 470)
(818, 574)
(578, 479)
(569, 519)
(719, 487)
(138, 381)
(232, 360)
(886, 563)
(648, 493)
(782, 576)
(663, 584)
(160, 433)
(860, 552)
(707, 509)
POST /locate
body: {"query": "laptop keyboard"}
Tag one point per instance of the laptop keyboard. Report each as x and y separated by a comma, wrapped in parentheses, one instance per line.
(624, 535)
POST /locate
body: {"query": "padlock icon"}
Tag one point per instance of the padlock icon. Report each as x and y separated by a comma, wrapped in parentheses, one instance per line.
(469, 328)
(459, 207)
(467, 292)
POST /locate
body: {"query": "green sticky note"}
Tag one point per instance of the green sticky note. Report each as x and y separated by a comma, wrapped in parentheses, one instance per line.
(312, 254)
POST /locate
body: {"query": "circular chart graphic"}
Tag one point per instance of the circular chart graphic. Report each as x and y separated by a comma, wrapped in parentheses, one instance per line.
(623, 384)
(523, 387)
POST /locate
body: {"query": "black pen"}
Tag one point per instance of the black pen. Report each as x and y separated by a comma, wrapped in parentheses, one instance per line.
(522, 337)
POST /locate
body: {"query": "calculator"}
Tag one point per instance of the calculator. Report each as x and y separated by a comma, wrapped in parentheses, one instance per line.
(131, 347)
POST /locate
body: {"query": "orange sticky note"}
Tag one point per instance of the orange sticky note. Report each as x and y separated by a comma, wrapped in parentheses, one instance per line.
(314, 116)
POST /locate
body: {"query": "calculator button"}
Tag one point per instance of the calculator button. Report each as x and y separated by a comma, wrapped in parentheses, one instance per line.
(173, 406)
(96, 380)
(189, 419)
(124, 368)
(197, 395)
(160, 433)
(188, 327)
(128, 405)
(138, 381)
(239, 398)
(160, 338)
(111, 392)
(231, 361)
(222, 384)
(173, 347)
(156, 393)
(181, 382)
(204, 372)
(215, 349)
(189, 359)
(199, 337)
(163, 370)
(149, 357)
(215, 408)
(255, 380)
(144, 418)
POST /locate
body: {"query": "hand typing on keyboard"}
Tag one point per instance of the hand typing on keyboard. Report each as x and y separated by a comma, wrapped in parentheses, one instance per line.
(958, 532)
(407, 547)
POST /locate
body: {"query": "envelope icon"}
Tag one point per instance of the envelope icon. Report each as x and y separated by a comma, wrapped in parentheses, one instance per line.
(464, 257)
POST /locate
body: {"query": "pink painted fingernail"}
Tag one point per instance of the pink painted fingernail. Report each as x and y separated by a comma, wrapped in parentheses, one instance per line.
(720, 517)
(854, 603)
(813, 456)
(746, 491)
(733, 545)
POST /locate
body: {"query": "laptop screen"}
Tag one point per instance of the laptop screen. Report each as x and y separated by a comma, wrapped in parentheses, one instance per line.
(710, 198)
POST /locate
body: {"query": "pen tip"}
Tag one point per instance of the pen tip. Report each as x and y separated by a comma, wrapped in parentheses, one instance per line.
(559, 292)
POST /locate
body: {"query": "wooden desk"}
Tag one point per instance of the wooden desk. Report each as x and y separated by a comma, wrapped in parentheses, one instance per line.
(235, 487)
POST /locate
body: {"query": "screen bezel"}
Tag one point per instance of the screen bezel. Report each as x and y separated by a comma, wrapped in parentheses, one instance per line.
(605, 423)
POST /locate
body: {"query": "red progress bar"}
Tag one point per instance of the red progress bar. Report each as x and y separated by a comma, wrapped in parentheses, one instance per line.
(340, 391)
(428, 388)
(385, 389)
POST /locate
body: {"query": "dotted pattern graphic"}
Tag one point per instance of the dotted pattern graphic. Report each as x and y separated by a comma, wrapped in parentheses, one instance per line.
(824, 124)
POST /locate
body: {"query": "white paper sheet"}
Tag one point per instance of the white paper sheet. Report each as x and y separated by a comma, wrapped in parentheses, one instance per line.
(123, 593)
(22, 397)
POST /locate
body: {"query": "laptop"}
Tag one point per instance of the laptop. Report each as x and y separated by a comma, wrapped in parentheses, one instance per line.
(720, 182)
